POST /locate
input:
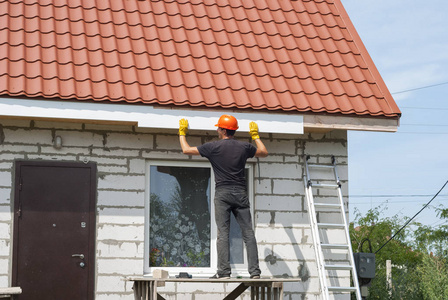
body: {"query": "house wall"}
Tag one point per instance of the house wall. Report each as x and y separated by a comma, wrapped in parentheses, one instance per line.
(120, 152)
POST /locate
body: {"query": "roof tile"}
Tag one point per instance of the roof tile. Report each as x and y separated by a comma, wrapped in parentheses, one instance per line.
(302, 55)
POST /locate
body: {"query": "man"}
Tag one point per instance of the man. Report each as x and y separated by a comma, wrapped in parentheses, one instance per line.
(228, 159)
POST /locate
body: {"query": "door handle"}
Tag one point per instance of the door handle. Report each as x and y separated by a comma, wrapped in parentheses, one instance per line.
(81, 256)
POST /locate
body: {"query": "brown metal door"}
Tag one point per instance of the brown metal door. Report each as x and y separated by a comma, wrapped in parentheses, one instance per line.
(54, 230)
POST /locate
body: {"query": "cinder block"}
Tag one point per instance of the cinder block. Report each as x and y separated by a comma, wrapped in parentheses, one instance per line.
(5, 179)
(281, 146)
(118, 266)
(122, 216)
(78, 139)
(280, 219)
(25, 136)
(5, 231)
(278, 203)
(263, 186)
(325, 148)
(120, 233)
(137, 166)
(121, 182)
(115, 152)
(129, 140)
(280, 170)
(117, 249)
(5, 195)
(121, 198)
(288, 187)
(110, 284)
(171, 142)
(112, 169)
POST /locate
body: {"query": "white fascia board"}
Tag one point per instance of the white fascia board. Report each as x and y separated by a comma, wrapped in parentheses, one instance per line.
(145, 116)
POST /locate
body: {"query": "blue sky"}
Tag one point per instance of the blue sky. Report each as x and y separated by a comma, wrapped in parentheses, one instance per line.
(408, 41)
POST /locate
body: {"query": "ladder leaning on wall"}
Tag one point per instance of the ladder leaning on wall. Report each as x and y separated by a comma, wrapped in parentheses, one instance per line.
(320, 231)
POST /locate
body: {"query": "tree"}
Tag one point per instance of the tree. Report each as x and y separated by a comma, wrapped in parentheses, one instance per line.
(378, 230)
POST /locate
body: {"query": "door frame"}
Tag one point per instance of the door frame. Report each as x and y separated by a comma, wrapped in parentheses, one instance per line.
(92, 215)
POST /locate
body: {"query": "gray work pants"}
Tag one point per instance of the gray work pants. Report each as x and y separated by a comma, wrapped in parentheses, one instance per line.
(234, 199)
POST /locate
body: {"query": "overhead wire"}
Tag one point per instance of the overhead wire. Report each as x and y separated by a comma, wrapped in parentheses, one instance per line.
(412, 218)
(420, 88)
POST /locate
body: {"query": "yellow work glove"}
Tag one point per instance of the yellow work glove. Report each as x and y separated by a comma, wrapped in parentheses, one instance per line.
(183, 126)
(253, 130)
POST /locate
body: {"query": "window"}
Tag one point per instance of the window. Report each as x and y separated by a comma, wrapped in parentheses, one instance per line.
(180, 222)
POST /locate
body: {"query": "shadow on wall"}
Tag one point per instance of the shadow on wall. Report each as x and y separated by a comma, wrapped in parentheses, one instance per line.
(281, 268)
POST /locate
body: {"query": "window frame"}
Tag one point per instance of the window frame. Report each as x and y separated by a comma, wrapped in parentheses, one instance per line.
(237, 269)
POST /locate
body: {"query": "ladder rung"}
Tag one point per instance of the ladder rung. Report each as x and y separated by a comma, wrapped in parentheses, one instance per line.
(329, 225)
(327, 205)
(324, 185)
(334, 246)
(338, 267)
(321, 166)
(341, 289)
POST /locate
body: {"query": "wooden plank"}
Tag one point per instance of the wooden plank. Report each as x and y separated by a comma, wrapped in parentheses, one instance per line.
(236, 292)
(8, 291)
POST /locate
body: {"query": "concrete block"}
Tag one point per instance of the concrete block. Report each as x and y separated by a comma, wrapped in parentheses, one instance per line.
(263, 186)
(117, 249)
(171, 142)
(137, 166)
(5, 247)
(325, 148)
(158, 273)
(121, 198)
(27, 136)
(123, 216)
(281, 146)
(112, 169)
(119, 232)
(278, 203)
(281, 219)
(5, 179)
(5, 195)
(79, 139)
(105, 160)
(122, 182)
(278, 235)
(128, 141)
(120, 266)
(280, 170)
(294, 252)
(115, 152)
(288, 187)
(10, 157)
(110, 284)
(163, 154)
(15, 148)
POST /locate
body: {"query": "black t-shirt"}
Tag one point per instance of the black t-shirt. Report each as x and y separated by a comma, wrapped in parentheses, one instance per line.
(228, 158)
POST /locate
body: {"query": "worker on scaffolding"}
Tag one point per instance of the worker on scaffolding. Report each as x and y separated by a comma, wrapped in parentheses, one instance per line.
(228, 159)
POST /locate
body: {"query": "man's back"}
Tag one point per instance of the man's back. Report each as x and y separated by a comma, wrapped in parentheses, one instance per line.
(228, 158)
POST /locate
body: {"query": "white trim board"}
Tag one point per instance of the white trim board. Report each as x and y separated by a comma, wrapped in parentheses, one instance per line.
(145, 116)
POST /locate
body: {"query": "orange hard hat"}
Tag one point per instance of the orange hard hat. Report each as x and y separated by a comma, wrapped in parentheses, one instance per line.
(227, 122)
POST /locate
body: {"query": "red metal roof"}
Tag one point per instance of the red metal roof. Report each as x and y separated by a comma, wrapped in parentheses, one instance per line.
(285, 55)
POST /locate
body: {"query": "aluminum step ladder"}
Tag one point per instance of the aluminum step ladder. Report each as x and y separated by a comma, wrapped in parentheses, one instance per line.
(329, 180)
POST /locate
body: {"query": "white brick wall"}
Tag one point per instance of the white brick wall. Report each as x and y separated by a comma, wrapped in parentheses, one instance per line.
(120, 152)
